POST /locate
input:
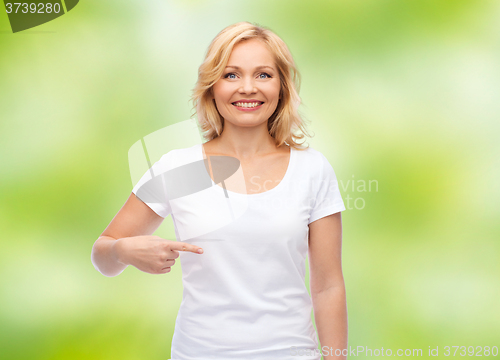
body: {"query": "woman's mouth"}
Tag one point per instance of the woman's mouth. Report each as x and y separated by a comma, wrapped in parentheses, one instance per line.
(248, 106)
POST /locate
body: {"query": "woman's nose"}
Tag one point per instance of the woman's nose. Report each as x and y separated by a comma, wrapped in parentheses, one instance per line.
(248, 86)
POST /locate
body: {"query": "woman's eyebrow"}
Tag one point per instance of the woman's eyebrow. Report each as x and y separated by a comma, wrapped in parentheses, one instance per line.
(257, 68)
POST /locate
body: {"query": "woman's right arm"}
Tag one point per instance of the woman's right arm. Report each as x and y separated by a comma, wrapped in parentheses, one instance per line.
(128, 241)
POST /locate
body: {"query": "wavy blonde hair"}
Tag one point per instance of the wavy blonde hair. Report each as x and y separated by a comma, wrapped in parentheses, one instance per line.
(286, 118)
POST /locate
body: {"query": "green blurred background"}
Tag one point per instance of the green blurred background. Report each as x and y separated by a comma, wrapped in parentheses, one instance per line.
(406, 93)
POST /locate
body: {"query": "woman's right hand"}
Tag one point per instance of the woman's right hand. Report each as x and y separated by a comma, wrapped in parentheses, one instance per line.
(151, 254)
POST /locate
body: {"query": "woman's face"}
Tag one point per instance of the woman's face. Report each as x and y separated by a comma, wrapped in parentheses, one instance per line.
(251, 74)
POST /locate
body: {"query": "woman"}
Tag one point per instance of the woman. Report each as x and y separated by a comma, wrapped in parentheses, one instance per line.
(243, 270)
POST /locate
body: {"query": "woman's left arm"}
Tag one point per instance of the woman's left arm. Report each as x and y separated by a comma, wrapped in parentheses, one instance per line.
(327, 284)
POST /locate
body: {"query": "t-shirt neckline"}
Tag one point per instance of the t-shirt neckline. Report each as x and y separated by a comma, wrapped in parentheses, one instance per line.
(282, 183)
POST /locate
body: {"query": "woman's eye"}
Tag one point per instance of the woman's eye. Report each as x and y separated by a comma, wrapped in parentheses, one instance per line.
(265, 74)
(228, 74)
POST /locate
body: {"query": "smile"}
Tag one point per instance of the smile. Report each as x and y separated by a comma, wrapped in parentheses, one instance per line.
(245, 106)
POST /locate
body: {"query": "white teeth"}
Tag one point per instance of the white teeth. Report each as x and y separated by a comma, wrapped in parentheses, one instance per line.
(247, 105)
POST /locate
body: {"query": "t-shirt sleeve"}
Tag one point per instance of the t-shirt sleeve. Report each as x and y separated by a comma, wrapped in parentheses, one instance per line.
(151, 189)
(326, 193)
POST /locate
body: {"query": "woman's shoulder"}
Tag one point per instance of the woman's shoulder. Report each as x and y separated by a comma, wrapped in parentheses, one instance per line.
(313, 161)
(310, 154)
(177, 157)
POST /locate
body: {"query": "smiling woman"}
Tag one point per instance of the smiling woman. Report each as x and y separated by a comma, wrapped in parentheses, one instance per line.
(244, 294)
(242, 57)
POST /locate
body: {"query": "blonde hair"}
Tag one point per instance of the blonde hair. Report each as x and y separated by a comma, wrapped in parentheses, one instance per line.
(285, 119)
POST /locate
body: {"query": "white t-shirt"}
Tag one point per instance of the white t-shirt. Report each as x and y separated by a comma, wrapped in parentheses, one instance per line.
(245, 297)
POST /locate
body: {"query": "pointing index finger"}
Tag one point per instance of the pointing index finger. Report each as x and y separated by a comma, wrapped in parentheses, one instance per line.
(180, 246)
